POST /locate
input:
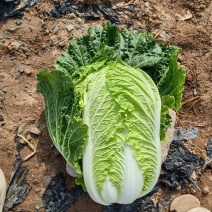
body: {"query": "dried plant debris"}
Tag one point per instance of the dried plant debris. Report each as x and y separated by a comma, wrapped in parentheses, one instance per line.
(208, 162)
(185, 135)
(18, 188)
(10, 8)
(178, 167)
(58, 198)
(94, 11)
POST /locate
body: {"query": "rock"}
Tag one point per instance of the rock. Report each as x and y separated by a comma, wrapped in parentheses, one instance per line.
(35, 131)
(184, 203)
(21, 141)
(80, 21)
(195, 92)
(13, 29)
(56, 29)
(28, 71)
(70, 27)
(199, 209)
(1, 98)
(21, 128)
(4, 89)
(165, 35)
(21, 70)
(1, 118)
(206, 190)
(28, 137)
(16, 44)
(17, 74)
(72, 16)
(169, 137)
(38, 204)
(18, 22)
(3, 187)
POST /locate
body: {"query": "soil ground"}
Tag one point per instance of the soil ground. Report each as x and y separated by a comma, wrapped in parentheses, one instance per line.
(184, 23)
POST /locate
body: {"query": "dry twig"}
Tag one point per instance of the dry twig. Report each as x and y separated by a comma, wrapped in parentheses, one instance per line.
(30, 145)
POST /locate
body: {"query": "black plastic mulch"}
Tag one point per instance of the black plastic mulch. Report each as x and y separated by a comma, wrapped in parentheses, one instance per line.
(178, 167)
(58, 198)
(10, 8)
(94, 11)
(18, 188)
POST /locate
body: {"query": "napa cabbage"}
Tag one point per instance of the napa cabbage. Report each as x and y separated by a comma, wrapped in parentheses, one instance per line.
(106, 106)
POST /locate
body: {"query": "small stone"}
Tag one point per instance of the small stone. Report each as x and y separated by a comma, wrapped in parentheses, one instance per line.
(17, 74)
(1, 118)
(16, 44)
(6, 34)
(28, 137)
(184, 203)
(1, 98)
(21, 70)
(80, 21)
(70, 27)
(195, 91)
(14, 62)
(56, 29)
(35, 131)
(72, 16)
(18, 22)
(4, 89)
(21, 141)
(21, 128)
(2, 78)
(206, 190)
(198, 209)
(28, 71)
(83, 29)
(35, 182)
(13, 29)
(38, 204)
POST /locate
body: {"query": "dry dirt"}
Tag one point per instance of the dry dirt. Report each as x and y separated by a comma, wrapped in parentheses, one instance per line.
(184, 23)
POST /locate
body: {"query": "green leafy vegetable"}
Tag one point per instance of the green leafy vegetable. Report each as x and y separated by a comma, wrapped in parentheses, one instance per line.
(106, 106)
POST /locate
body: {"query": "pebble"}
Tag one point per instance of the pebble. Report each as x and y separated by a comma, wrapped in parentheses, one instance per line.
(80, 21)
(21, 141)
(72, 16)
(28, 71)
(1, 118)
(17, 74)
(195, 91)
(4, 89)
(56, 29)
(21, 70)
(21, 128)
(1, 98)
(35, 182)
(38, 204)
(35, 131)
(16, 44)
(70, 27)
(184, 203)
(199, 209)
(18, 22)
(28, 137)
(13, 29)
